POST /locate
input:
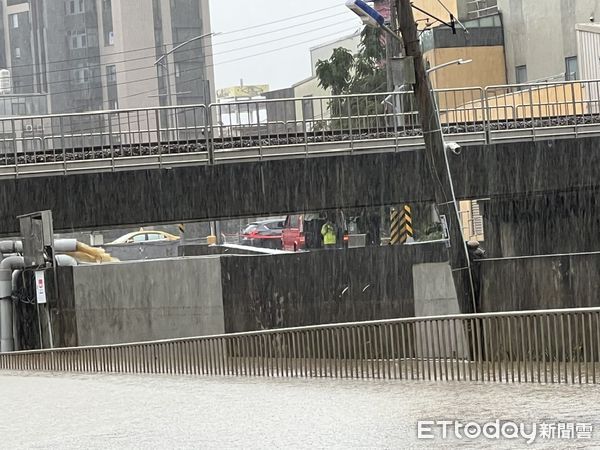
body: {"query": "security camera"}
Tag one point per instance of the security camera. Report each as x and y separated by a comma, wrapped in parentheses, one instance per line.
(453, 147)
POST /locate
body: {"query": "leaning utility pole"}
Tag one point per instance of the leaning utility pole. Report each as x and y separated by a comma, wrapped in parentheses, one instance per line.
(437, 160)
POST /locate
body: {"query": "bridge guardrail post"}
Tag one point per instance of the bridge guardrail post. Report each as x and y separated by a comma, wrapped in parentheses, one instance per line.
(158, 138)
(395, 113)
(486, 115)
(350, 131)
(210, 132)
(305, 126)
(532, 112)
(576, 124)
(110, 140)
(259, 133)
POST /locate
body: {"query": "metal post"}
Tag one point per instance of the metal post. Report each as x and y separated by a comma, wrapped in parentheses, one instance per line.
(166, 66)
(436, 157)
(388, 62)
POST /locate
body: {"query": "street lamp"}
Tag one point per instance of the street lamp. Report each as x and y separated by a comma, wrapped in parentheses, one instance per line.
(370, 17)
(164, 60)
(458, 62)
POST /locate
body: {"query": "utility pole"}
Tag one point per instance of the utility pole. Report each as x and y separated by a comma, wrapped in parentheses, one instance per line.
(391, 46)
(437, 161)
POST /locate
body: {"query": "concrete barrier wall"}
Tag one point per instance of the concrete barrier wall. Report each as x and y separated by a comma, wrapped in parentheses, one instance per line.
(146, 300)
(540, 283)
(261, 292)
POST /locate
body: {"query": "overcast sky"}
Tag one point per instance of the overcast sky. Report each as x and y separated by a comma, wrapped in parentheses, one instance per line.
(277, 68)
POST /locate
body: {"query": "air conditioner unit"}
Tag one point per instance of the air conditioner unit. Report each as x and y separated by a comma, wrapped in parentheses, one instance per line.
(111, 37)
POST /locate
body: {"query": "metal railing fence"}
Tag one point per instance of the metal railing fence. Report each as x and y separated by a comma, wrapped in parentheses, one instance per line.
(103, 135)
(261, 128)
(552, 346)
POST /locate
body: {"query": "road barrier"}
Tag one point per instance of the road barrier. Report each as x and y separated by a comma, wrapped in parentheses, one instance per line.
(296, 127)
(552, 346)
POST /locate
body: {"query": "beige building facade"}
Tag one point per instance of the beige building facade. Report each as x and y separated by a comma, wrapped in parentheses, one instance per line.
(100, 54)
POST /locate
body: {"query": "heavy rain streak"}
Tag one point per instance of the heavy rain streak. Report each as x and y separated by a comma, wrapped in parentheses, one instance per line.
(342, 223)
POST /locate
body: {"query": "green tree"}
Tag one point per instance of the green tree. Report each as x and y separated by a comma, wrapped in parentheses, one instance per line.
(336, 72)
(345, 73)
(362, 73)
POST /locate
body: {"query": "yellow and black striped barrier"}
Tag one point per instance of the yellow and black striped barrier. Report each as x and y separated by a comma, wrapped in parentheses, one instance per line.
(402, 225)
(181, 228)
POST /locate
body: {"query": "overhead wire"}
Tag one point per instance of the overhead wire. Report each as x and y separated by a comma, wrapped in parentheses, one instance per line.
(337, 33)
(104, 75)
(452, 15)
(92, 113)
(260, 54)
(219, 34)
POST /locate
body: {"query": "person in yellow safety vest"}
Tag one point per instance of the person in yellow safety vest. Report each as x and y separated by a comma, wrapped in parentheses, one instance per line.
(329, 235)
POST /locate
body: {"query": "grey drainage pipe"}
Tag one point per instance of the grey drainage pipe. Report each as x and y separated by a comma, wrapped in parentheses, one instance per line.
(7, 267)
(15, 279)
(65, 260)
(60, 246)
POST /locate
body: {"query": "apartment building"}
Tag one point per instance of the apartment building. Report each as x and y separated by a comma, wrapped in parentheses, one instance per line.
(100, 54)
(540, 37)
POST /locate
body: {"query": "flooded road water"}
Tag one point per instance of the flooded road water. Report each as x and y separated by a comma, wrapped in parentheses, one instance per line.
(105, 411)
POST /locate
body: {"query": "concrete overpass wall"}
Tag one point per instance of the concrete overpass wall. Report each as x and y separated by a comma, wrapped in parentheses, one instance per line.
(250, 189)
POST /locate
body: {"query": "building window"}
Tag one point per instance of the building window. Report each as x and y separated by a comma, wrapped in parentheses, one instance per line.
(77, 39)
(81, 75)
(75, 7)
(177, 70)
(113, 104)
(107, 23)
(521, 72)
(19, 109)
(17, 52)
(571, 68)
(14, 20)
(111, 74)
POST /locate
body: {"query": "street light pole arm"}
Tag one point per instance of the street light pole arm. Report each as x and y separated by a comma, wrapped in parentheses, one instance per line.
(449, 63)
(174, 49)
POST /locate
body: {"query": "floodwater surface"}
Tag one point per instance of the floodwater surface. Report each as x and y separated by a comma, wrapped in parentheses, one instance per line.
(116, 411)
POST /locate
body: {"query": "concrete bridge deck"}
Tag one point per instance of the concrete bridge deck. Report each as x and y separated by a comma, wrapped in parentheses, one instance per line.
(255, 188)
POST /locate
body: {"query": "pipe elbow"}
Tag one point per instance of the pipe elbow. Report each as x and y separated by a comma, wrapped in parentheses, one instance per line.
(65, 261)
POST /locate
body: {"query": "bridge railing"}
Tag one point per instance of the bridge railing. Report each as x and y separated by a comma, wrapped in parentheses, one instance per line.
(104, 135)
(261, 128)
(552, 346)
(310, 124)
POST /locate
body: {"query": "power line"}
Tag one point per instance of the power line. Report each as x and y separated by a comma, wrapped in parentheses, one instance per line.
(337, 33)
(101, 75)
(91, 113)
(252, 56)
(220, 34)
(285, 19)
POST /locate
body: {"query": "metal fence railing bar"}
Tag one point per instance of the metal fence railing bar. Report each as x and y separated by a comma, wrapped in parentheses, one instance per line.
(268, 128)
(551, 346)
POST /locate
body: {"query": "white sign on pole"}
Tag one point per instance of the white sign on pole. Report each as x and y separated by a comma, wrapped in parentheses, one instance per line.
(40, 286)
